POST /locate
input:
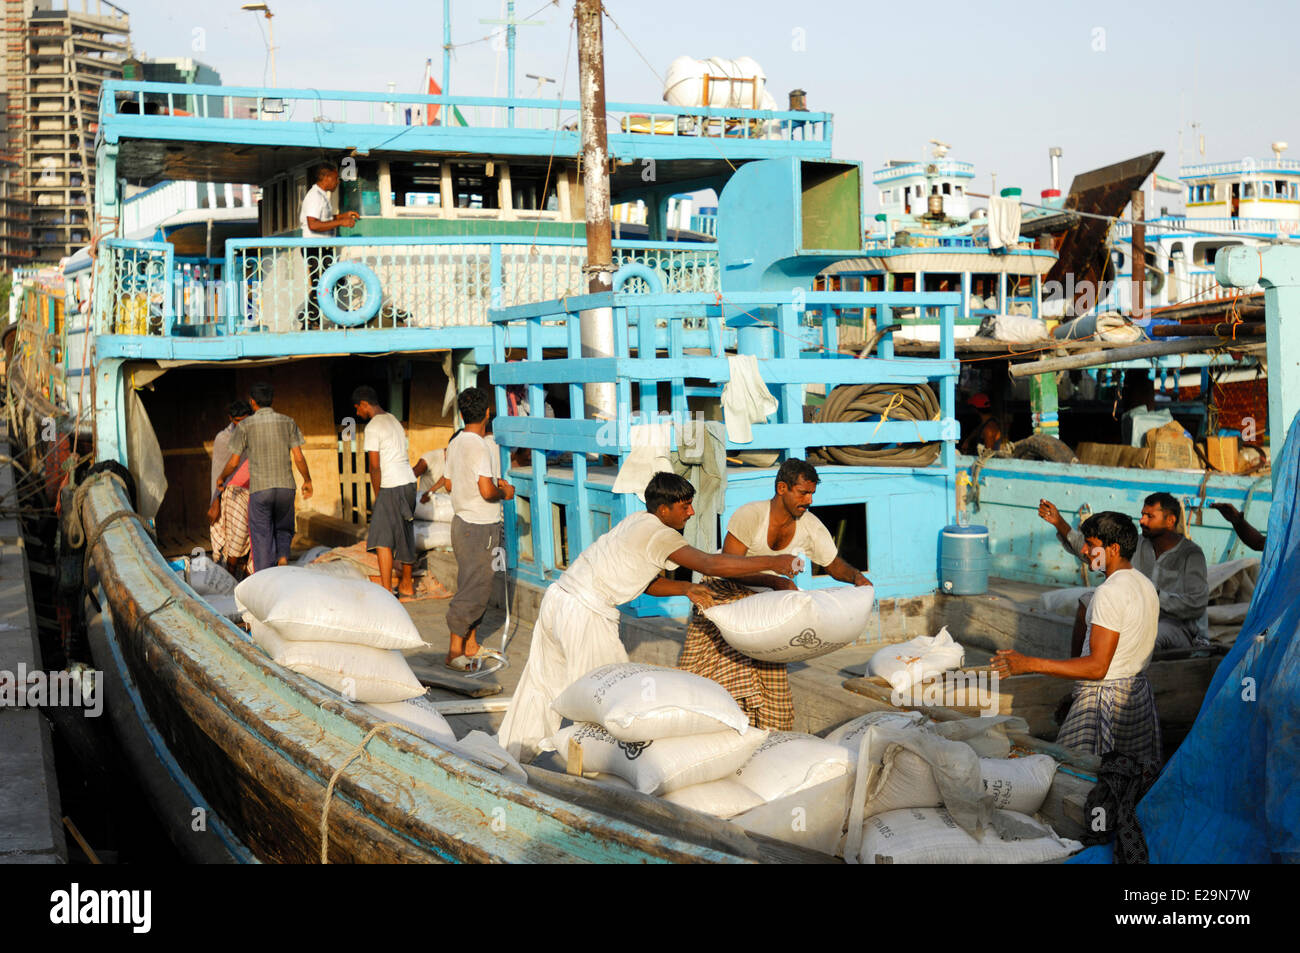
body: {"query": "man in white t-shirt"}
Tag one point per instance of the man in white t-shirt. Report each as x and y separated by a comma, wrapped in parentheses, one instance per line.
(1113, 708)
(317, 218)
(577, 622)
(391, 533)
(782, 524)
(473, 478)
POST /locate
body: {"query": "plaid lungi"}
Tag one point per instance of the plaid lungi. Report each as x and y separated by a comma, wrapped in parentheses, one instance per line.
(1114, 715)
(230, 539)
(762, 689)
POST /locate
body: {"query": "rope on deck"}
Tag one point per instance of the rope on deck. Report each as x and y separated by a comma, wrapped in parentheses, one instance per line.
(329, 791)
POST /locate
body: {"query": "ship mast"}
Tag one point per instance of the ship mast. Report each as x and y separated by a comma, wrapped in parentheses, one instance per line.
(597, 324)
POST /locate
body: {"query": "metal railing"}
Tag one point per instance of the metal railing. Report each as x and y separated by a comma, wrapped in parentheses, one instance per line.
(269, 285)
(1242, 166)
(1259, 226)
(948, 167)
(480, 112)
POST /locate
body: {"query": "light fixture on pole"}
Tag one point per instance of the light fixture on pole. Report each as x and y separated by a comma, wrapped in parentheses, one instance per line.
(263, 9)
(541, 81)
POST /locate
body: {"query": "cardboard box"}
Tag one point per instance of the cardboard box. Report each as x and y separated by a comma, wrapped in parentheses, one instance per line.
(1171, 449)
(1112, 455)
(1222, 454)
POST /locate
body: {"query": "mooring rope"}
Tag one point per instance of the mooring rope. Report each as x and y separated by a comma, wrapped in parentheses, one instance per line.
(329, 791)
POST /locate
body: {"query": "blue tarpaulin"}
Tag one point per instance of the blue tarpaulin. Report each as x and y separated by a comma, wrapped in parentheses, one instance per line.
(1229, 794)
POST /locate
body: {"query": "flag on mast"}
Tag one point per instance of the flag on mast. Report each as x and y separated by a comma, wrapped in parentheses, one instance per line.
(433, 89)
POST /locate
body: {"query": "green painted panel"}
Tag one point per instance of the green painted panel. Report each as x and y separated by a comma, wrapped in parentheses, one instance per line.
(832, 206)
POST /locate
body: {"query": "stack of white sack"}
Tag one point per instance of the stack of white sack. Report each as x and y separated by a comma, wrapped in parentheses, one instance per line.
(433, 522)
(217, 587)
(946, 793)
(906, 665)
(805, 783)
(664, 731)
(347, 634)
(794, 625)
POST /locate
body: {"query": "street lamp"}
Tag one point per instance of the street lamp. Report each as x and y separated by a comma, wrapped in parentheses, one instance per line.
(263, 9)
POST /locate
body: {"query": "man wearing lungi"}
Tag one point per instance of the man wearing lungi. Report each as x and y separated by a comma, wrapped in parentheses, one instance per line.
(391, 533)
(473, 476)
(270, 440)
(577, 622)
(1113, 708)
(228, 508)
(782, 524)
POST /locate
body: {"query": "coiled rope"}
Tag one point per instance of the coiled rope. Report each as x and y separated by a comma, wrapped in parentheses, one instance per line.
(855, 403)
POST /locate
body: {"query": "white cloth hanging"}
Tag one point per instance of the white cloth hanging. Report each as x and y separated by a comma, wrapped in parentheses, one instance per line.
(1004, 222)
(746, 399)
(651, 454)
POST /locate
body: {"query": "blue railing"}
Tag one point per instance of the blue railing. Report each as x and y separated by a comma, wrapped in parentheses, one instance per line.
(692, 362)
(265, 285)
(327, 107)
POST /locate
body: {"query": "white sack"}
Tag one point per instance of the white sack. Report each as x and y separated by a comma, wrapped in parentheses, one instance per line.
(657, 767)
(928, 835)
(303, 604)
(794, 625)
(432, 535)
(437, 510)
(358, 672)
(723, 798)
(849, 735)
(419, 716)
(812, 818)
(1018, 329)
(788, 762)
(209, 578)
(906, 780)
(637, 702)
(905, 664)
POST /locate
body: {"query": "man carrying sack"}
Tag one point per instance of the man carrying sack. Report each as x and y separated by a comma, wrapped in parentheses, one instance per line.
(781, 525)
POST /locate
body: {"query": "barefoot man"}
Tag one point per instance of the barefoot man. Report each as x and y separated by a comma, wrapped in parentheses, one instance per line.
(391, 533)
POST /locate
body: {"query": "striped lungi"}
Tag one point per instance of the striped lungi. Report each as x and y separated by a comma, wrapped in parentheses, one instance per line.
(762, 689)
(1114, 715)
(230, 538)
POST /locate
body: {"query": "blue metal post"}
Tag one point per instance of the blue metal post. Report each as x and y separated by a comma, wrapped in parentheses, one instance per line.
(446, 58)
(510, 58)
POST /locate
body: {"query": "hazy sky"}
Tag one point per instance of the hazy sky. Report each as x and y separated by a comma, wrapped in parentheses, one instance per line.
(1001, 81)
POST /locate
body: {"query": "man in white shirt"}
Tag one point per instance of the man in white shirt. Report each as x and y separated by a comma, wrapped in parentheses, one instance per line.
(782, 524)
(1113, 708)
(473, 476)
(391, 533)
(319, 221)
(577, 622)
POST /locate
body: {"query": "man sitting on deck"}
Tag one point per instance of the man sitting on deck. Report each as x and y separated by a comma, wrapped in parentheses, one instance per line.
(1113, 707)
(577, 623)
(782, 524)
(1174, 563)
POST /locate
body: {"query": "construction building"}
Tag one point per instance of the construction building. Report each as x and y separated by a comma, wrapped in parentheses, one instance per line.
(58, 53)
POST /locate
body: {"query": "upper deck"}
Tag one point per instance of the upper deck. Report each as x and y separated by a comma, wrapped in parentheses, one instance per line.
(261, 132)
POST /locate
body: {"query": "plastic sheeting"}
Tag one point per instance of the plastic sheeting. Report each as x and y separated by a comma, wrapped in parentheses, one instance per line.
(1229, 795)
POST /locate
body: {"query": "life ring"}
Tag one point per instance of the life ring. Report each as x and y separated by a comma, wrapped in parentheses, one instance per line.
(325, 293)
(635, 269)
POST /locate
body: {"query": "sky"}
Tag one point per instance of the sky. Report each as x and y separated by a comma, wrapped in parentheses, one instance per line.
(1002, 82)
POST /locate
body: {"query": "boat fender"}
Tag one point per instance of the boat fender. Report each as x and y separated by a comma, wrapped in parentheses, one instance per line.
(325, 293)
(638, 270)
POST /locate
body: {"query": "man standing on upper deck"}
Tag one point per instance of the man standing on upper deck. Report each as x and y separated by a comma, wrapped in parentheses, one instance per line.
(269, 440)
(391, 533)
(577, 623)
(1113, 708)
(780, 525)
(1173, 563)
(319, 221)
